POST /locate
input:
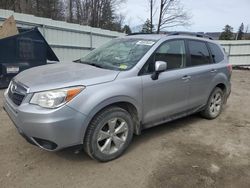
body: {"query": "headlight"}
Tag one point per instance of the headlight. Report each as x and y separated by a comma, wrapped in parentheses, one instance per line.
(55, 98)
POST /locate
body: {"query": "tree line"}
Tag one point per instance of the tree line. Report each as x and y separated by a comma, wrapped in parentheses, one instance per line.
(94, 13)
(241, 34)
(102, 13)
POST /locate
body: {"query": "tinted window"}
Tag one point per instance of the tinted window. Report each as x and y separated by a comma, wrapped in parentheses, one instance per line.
(217, 54)
(199, 53)
(172, 52)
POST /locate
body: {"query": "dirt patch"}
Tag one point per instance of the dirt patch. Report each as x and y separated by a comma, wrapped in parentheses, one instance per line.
(190, 152)
(197, 165)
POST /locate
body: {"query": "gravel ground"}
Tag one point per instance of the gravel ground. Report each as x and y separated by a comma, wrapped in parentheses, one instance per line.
(190, 152)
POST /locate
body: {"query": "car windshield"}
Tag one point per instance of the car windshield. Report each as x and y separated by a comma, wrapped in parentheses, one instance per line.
(118, 54)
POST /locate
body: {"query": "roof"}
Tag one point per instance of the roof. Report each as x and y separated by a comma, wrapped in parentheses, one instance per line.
(147, 36)
(172, 35)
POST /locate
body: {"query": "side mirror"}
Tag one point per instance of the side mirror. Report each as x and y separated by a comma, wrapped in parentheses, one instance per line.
(160, 66)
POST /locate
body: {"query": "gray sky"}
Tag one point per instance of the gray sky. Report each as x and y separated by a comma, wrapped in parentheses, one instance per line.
(207, 15)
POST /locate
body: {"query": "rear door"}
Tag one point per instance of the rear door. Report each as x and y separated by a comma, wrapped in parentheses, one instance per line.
(201, 71)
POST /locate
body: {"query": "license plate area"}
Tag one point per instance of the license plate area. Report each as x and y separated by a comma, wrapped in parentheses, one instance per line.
(12, 69)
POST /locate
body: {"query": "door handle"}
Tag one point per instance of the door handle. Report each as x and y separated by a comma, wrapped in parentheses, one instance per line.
(213, 71)
(186, 77)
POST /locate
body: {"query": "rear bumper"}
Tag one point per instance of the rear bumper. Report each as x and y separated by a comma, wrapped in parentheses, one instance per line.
(228, 93)
(229, 90)
(49, 129)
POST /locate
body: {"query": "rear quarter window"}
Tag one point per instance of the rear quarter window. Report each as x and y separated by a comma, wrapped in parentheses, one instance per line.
(216, 53)
(199, 53)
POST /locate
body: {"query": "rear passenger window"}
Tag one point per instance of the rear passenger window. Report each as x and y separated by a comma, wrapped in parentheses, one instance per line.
(199, 53)
(217, 54)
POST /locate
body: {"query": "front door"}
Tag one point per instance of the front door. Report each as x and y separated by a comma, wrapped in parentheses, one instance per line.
(167, 95)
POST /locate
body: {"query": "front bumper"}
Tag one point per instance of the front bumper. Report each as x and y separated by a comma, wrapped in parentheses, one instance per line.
(49, 129)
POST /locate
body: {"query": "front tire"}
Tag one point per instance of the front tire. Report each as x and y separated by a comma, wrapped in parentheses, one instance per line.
(109, 134)
(214, 105)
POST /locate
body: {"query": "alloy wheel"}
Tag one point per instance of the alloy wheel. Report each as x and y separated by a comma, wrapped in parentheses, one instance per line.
(216, 104)
(112, 136)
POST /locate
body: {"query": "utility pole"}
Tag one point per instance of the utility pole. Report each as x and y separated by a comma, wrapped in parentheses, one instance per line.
(160, 16)
(151, 16)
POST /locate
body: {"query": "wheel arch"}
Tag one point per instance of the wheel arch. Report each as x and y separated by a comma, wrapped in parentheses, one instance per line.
(124, 102)
(222, 86)
(221, 81)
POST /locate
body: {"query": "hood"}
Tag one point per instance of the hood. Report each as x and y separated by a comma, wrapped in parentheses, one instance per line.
(62, 75)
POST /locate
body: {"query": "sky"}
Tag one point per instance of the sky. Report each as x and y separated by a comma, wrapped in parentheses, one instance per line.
(207, 15)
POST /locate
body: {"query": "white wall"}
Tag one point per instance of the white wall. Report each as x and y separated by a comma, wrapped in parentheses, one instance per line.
(238, 50)
(72, 41)
(69, 41)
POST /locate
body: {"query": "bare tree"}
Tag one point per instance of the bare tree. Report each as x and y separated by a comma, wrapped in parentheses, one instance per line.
(172, 14)
(98, 13)
(70, 10)
(246, 30)
(95, 13)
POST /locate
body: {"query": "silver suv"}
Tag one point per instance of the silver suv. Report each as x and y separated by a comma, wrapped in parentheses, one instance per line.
(129, 84)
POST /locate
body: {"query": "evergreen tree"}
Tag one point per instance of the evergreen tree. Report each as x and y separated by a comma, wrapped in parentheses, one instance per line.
(240, 32)
(146, 28)
(227, 33)
(126, 29)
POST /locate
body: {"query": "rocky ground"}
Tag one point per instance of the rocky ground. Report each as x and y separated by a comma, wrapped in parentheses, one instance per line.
(190, 152)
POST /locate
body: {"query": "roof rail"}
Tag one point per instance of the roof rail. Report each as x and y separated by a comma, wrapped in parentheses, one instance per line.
(192, 34)
(140, 33)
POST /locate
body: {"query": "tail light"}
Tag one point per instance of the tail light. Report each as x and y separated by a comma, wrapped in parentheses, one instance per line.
(230, 68)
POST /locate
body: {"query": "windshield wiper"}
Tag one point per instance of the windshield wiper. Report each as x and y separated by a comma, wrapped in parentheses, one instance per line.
(92, 64)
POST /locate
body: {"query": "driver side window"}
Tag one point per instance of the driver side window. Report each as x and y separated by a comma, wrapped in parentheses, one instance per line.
(172, 52)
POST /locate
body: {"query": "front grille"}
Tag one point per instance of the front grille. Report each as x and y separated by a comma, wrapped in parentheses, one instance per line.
(16, 93)
(16, 98)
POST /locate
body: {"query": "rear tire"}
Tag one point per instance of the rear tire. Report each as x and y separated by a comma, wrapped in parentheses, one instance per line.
(214, 105)
(109, 134)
